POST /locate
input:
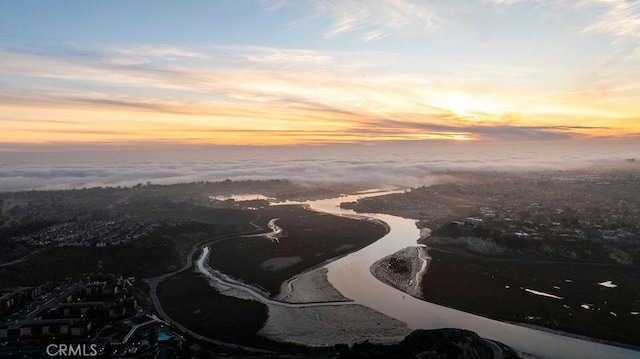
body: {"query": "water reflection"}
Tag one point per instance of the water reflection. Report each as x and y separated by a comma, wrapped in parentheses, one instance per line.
(352, 277)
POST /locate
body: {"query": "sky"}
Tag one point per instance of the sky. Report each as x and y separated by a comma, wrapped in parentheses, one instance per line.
(314, 72)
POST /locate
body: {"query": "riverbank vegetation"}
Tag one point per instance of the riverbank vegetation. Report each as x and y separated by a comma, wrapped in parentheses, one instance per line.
(310, 238)
(161, 252)
(402, 269)
(569, 297)
(189, 299)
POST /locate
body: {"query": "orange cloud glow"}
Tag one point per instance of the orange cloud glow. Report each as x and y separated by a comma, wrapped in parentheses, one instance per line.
(316, 101)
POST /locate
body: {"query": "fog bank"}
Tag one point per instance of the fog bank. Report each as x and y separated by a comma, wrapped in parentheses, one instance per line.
(390, 164)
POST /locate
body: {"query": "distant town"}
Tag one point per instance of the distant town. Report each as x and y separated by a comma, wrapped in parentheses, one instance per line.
(600, 207)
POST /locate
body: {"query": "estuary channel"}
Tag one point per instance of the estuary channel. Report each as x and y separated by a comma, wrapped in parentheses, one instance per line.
(351, 276)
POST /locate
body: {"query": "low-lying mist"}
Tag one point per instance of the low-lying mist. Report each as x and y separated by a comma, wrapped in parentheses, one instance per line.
(408, 164)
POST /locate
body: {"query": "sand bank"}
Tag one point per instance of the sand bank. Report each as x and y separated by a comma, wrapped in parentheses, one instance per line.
(403, 270)
(311, 286)
(327, 326)
(319, 324)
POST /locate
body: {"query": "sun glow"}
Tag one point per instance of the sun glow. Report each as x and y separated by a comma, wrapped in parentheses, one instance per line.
(256, 94)
(463, 103)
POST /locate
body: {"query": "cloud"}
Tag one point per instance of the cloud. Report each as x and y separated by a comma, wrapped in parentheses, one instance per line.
(272, 5)
(411, 164)
(619, 18)
(504, 2)
(282, 57)
(279, 92)
(471, 131)
(379, 18)
(374, 35)
(163, 52)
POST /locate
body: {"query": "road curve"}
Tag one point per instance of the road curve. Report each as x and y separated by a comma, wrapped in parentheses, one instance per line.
(497, 351)
(155, 281)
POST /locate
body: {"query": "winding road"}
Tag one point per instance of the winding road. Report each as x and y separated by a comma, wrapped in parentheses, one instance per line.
(24, 258)
(497, 351)
(153, 291)
(226, 281)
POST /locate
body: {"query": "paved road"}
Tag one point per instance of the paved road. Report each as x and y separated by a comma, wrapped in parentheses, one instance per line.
(153, 291)
(497, 351)
(22, 259)
(153, 284)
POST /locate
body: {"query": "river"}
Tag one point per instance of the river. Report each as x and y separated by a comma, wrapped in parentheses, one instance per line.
(352, 277)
